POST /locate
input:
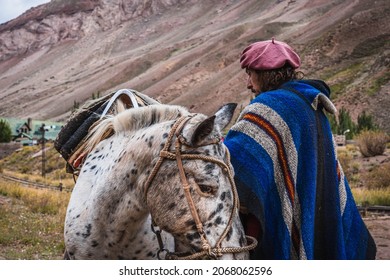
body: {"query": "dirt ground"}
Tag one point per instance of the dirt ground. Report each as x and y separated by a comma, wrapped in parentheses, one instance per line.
(380, 230)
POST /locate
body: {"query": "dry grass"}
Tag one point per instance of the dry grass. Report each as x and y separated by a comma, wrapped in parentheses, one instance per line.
(39, 201)
(31, 222)
(26, 164)
(369, 177)
(378, 177)
(367, 197)
(67, 183)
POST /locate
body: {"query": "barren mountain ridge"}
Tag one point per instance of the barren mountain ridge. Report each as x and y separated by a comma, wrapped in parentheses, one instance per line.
(187, 52)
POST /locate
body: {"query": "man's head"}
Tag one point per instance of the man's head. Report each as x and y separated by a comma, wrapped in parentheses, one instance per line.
(269, 64)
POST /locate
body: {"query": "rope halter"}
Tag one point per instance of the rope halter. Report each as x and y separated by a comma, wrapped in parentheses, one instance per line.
(207, 250)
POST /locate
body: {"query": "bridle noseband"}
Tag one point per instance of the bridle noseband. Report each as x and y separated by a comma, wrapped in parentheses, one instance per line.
(207, 250)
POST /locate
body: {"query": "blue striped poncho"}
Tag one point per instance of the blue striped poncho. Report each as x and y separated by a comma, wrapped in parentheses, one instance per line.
(289, 178)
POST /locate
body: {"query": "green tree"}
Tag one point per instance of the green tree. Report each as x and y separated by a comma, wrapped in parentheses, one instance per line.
(365, 122)
(333, 122)
(5, 132)
(346, 124)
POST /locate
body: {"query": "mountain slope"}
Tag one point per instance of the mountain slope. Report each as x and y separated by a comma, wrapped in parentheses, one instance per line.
(187, 52)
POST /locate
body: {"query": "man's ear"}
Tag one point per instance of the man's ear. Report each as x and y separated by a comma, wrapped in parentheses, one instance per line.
(203, 130)
(224, 115)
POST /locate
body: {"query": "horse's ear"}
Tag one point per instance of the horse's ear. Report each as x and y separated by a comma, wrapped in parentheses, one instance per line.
(224, 115)
(219, 121)
(203, 130)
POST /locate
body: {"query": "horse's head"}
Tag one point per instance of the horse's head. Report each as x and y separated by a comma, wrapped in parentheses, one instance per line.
(191, 193)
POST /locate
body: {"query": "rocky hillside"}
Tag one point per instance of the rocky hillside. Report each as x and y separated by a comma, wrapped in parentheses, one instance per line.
(187, 52)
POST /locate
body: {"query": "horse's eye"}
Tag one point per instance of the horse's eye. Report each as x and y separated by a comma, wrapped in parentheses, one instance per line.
(207, 189)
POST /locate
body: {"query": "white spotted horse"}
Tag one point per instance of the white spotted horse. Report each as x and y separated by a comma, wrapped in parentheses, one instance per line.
(158, 185)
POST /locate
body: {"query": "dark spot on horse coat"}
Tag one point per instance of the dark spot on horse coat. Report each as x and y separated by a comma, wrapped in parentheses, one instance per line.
(171, 206)
(229, 234)
(209, 168)
(150, 143)
(190, 223)
(218, 220)
(134, 171)
(192, 236)
(94, 243)
(93, 167)
(165, 135)
(182, 212)
(223, 196)
(219, 208)
(88, 232)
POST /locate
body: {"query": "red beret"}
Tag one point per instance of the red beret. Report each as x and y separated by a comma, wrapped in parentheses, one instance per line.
(268, 55)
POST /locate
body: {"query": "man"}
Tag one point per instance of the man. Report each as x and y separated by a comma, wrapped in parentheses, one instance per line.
(296, 199)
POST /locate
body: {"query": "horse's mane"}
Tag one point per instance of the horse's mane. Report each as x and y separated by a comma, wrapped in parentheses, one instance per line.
(130, 120)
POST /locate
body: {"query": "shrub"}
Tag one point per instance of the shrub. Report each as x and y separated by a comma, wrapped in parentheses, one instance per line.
(372, 143)
(5, 132)
(378, 177)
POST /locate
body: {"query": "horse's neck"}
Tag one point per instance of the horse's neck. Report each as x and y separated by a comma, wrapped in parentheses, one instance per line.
(112, 180)
(128, 169)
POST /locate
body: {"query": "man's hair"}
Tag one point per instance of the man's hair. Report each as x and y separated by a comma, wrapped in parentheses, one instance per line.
(273, 79)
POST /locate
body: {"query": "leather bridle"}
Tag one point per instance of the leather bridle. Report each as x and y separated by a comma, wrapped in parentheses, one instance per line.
(207, 251)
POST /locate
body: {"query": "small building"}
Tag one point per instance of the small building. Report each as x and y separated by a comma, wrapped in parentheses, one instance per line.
(28, 132)
(339, 139)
